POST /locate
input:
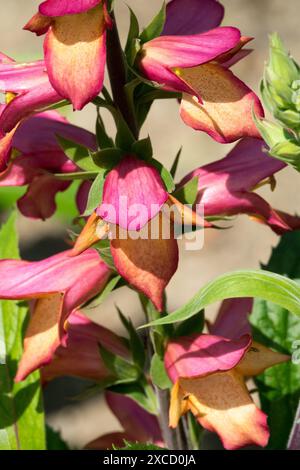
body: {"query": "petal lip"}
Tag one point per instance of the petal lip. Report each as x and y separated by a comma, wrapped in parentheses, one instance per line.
(199, 16)
(80, 40)
(66, 7)
(182, 357)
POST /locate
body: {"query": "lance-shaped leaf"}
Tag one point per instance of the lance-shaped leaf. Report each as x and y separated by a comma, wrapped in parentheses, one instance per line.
(20, 403)
(262, 284)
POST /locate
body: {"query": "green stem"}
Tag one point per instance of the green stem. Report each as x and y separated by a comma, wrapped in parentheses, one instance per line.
(118, 77)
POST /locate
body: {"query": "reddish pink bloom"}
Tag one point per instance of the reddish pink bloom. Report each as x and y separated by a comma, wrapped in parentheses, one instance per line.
(138, 425)
(208, 373)
(58, 285)
(79, 355)
(192, 58)
(133, 194)
(74, 47)
(225, 187)
(39, 157)
(28, 91)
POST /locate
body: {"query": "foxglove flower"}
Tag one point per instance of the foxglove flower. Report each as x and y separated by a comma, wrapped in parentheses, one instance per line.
(225, 187)
(208, 373)
(138, 425)
(74, 47)
(145, 251)
(195, 62)
(39, 157)
(58, 285)
(79, 355)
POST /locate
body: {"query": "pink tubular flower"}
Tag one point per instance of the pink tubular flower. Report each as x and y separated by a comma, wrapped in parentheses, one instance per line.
(79, 355)
(133, 194)
(58, 285)
(28, 91)
(208, 373)
(225, 187)
(190, 59)
(39, 157)
(138, 425)
(74, 47)
(232, 319)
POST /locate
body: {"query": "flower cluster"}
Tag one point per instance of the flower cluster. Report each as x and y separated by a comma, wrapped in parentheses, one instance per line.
(185, 55)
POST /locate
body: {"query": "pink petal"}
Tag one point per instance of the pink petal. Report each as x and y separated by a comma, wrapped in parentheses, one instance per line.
(162, 56)
(5, 148)
(133, 194)
(39, 134)
(39, 200)
(141, 425)
(75, 55)
(38, 24)
(232, 320)
(79, 357)
(192, 16)
(28, 103)
(147, 263)
(16, 77)
(227, 104)
(198, 355)
(66, 7)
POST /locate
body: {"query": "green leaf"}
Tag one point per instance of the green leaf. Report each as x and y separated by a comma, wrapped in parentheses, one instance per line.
(277, 328)
(77, 153)
(143, 148)
(187, 194)
(107, 158)
(165, 175)
(54, 440)
(138, 446)
(112, 284)
(262, 284)
(136, 345)
(21, 410)
(175, 163)
(103, 139)
(103, 248)
(123, 370)
(194, 324)
(156, 26)
(136, 392)
(95, 195)
(132, 43)
(158, 373)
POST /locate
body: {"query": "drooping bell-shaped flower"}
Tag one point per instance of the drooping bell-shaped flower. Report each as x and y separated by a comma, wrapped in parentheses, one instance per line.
(79, 355)
(138, 425)
(39, 157)
(226, 187)
(194, 60)
(58, 285)
(74, 47)
(208, 373)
